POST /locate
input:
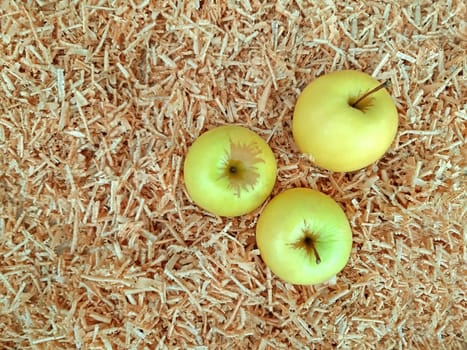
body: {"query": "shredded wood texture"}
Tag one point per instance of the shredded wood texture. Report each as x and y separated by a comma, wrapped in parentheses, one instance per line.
(100, 247)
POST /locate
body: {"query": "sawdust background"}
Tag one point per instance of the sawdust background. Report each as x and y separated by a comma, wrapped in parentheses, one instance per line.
(100, 247)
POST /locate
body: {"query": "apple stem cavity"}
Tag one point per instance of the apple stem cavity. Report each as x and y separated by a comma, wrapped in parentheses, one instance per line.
(372, 91)
(240, 166)
(308, 243)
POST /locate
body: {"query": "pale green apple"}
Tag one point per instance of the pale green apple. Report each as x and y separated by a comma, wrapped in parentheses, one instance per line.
(304, 236)
(337, 132)
(229, 171)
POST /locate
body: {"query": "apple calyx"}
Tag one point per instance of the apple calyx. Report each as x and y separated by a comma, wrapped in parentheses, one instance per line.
(308, 243)
(239, 166)
(357, 103)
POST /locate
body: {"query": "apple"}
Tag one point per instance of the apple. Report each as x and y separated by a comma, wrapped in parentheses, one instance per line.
(344, 120)
(229, 171)
(304, 236)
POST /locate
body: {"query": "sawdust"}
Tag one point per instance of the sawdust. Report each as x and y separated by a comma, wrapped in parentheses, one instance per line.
(100, 247)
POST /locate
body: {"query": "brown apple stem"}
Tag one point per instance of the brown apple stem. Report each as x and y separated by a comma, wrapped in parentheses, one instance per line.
(372, 91)
(318, 259)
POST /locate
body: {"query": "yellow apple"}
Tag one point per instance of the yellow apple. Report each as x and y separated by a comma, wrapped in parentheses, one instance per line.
(344, 120)
(304, 236)
(229, 171)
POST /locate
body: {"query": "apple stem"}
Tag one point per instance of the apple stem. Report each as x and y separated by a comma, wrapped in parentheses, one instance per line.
(372, 91)
(318, 259)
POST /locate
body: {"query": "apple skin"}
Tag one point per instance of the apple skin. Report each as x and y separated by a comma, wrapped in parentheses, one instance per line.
(210, 183)
(284, 221)
(337, 136)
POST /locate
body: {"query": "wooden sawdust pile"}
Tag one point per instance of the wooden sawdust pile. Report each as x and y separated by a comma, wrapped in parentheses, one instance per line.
(100, 247)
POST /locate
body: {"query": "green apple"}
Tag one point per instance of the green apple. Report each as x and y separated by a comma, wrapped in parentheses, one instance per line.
(344, 120)
(304, 236)
(229, 171)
